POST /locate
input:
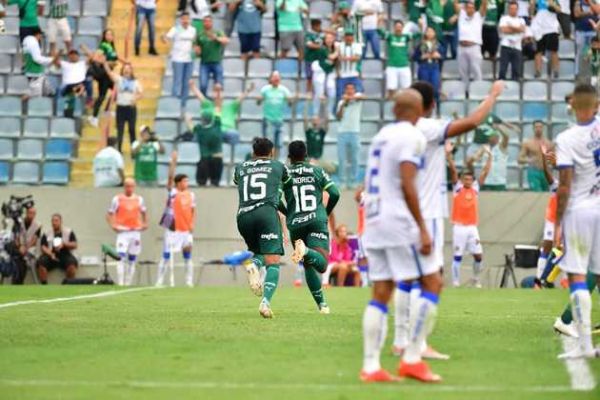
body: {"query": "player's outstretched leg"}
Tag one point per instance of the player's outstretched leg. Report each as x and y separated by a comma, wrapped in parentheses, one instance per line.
(162, 269)
(314, 261)
(581, 303)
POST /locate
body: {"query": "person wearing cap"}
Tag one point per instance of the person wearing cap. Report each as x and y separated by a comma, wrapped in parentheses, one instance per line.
(349, 56)
(342, 20)
(145, 156)
(470, 27)
(370, 12)
(209, 135)
(494, 129)
(74, 71)
(34, 65)
(289, 25)
(29, 10)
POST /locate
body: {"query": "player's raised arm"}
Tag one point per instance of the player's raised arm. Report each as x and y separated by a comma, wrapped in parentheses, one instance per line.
(486, 168)
(476, 118)
(171, 173)
(451, 166)
(548, 163)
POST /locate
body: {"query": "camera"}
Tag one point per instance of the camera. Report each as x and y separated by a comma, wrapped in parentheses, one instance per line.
(14, 207)
(12, 211)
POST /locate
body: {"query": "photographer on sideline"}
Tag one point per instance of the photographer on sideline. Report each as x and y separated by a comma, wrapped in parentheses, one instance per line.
(27, 241)
(57, 247)
(145, 154)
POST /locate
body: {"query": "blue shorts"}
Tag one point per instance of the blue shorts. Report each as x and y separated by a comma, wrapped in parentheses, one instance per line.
(249, 42)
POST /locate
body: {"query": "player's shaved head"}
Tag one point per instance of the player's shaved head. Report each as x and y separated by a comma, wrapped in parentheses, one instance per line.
(408, 105)
(129, 186)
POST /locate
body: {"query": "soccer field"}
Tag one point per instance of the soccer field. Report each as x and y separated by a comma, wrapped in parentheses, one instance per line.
(210, 343)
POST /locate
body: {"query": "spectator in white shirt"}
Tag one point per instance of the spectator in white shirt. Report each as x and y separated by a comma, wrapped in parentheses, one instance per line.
(370, 12)
(74, 71)
(512, 28)
(525, 10)
(348, 113)
(199, 9)
(546, 30)
(470, 26)
(349, 56)
(182, 37)
(145, 11)
(108, 166)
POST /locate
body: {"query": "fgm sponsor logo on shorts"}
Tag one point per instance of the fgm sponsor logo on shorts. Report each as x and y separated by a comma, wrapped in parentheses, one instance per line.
(269, 236)
(318, 235)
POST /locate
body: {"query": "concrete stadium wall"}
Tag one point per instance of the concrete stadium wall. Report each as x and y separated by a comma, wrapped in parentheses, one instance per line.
(506, 219)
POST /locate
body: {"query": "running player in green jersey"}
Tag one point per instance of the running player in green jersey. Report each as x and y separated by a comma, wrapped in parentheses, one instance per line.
(307, 217)
(259, 183)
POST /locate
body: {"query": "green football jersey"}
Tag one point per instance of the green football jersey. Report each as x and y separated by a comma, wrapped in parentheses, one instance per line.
(259, 183)
(304, 194)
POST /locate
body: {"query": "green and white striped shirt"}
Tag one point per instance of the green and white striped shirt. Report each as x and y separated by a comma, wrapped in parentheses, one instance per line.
(58, 9)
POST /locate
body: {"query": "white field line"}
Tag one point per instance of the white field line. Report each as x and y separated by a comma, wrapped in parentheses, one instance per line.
(578, 369)
(74, 298)
(284, 386)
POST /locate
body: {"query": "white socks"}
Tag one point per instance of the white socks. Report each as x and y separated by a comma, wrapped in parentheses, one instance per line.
(422, 321)
(581, 303)
(477, 269)
(541, 264)
(402, 302)
(189, 273)
(121, 272)
(162, 270)
(130, 273)
(456, 261)
(374, 332)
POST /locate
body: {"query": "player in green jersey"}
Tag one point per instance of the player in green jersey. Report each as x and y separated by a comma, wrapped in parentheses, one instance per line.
(259, 183)
(307, 217)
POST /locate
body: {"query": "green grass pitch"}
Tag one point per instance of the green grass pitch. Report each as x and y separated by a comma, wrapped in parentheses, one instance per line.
(210, 343)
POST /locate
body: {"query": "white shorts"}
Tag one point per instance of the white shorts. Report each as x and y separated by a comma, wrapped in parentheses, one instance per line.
(466, 237)
(581, 240)
(129, 243)
(400, 263)
(56, 26)
(435, 226)
(398, 78)
(548, 231)
(175, 242)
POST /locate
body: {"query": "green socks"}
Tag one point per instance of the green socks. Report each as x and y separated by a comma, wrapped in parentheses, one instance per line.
(271, 281)
(313, 281)
(258, 260)
(315, 260)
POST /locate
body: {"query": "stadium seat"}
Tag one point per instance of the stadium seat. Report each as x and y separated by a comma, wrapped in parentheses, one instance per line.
(74, 8)
(267, 45)
(450, 70)
(90, 41)
(55, 173)
(6, 149)
(513, 154)
(17, 85)
(4, 172)
(566, 49)
(190, 171)
(59, 149)
(189, 153)
(487, 69)
(166, 156)
(478, 90)
(453, 89)
(249, 130)
(559, 112)
(30, 149)
(388, 111)
(372, 69)
(166, 129)
(40, 107)
(508, 111)
(371, 110)
(95, 8)
(258, 68)
(556, 129)
(330, 152)
(288, 68)
(535, 110)
(512, 91)
(259, 83)
(301, 109)
(459, 156)
(528, 69)
(291, 85)
(251, 110)
(63, 128)
(561, 89)
(193, 107)
(163, 171)
(241, 150)
(11, 25)
(448, 108)
(233, 87)
(10, 127)
(167, 86)
(35, 128)
(169, 107)
(368, 130)
(535, 90)
(9, 44)
(526, 132)
(268, 28)
(234, 67)
(373, 88)
(297, 130)
(233, 49)
(567, 69)
(10, 106)
(321, 9)
(90, 26)
(2, 85)
(5, 63)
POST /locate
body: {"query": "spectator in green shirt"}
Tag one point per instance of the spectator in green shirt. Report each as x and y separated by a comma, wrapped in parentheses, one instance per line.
(145, 155)
(315, 139)
(28, 16)
(324, 75)
(289, 25)
(275, 98)
(314, 42)
(209, 134)
(209, 46)
(397, 71)
(449, 39)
